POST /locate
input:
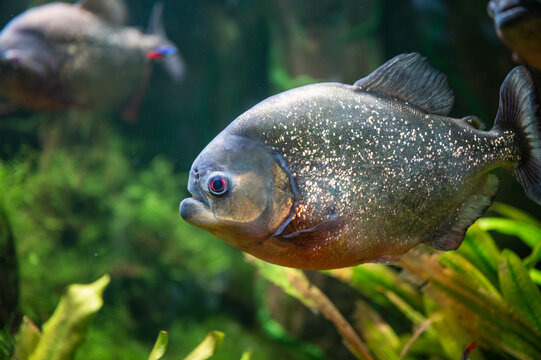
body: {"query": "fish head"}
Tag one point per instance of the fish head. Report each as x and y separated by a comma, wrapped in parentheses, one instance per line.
(518, 24)
(242, 192)
(25, 55)
(28, 64)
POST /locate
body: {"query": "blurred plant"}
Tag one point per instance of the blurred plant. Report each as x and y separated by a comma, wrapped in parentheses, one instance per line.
(203, 351)
(294, 283)
(450, 300)
(64, 332)
(89, 212)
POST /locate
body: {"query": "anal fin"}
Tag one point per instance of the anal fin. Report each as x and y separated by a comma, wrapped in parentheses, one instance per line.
(450, 234)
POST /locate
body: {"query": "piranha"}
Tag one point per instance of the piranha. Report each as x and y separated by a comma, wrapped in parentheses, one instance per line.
(59, 55)
(518, 24)
(331, 175)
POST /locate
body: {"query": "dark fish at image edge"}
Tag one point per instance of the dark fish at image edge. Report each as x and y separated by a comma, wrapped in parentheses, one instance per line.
(518, 25)
(332, 175)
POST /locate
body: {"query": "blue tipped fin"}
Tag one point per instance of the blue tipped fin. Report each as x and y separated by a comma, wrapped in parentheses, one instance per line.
(172, 62)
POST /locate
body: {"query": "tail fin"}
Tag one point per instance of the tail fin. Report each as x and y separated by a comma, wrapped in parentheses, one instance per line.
(172, 62)
(519, 112)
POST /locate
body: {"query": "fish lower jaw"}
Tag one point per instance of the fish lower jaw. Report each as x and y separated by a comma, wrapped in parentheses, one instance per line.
(511, 15)
(196, 212)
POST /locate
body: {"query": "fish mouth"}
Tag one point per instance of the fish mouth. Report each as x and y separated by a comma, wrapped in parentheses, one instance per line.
(507, 13)
(196, 211)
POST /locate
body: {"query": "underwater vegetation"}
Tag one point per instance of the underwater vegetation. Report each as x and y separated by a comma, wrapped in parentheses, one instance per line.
(88, 199)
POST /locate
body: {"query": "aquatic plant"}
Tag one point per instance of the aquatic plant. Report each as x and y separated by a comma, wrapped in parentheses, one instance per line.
(86, 213)
(478, 293)
(65, 331)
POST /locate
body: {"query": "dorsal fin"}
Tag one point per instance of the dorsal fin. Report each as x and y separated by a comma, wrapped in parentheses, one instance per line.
(114, 11)
(411, 78)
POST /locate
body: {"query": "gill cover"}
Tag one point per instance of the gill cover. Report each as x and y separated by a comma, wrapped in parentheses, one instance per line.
(260, 197)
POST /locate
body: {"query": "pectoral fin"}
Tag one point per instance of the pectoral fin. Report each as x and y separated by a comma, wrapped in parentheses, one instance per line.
(318, 236)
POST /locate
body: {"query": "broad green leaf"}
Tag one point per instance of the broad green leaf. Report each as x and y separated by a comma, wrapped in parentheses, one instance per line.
(531, 260)
(160, 346)
(519, 290)
(481, 312)
(529, 234)
(67, 327)
(373, 280)
(452, 336)
(247, 355)
(379, 335)
(536, 276)
(412, 314)
(480, 249)
(513, 213)
(281, 277)
(465, 269)
(208, 347)
(27, 339)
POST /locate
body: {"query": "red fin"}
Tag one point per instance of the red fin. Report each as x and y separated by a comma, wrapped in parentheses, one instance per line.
(467, 351)
(130, 113)
(318, 236)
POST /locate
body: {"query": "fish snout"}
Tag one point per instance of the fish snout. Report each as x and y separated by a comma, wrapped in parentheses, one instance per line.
(193, 185)
(507, 12)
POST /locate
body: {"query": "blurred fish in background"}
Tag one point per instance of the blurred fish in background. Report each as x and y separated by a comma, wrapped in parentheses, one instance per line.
(59, 56)
(518, 24)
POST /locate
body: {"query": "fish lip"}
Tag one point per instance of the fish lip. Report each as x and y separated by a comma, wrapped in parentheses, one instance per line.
(513, 11)
(190, 207)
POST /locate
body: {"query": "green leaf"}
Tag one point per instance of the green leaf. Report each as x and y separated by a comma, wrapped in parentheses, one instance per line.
(519, 290)
(295, 283)
(529, 234)
(281, 277)
(531, 260)
(67, 327)
(375, 280)
(27, 339)
(487, 316)
(208, 347)
(513, 213)
(379, 335)
(160, 346)
(480, 249)
(247, 355)
(464, 269)
(536, 276)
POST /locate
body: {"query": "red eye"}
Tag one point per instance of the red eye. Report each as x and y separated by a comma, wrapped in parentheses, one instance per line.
(218, 184)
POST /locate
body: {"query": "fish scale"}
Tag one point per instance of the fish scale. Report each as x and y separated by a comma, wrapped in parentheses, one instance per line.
(358, 167)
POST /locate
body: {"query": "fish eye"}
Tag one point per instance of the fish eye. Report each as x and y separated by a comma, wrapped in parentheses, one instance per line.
(218, 184)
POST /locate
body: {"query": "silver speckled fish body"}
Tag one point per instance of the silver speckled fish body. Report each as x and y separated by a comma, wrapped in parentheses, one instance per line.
(396, 173)
(376, 168)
